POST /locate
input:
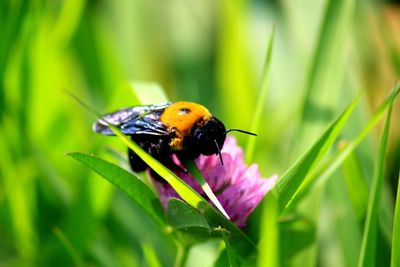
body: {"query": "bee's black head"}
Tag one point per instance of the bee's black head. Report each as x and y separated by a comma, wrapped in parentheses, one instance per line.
(210, 137)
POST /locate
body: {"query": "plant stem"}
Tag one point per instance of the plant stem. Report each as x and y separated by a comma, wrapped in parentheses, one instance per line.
(181, 255)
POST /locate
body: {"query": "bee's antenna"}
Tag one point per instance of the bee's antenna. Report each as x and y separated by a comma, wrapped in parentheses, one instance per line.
(219, 152)
(241, 131)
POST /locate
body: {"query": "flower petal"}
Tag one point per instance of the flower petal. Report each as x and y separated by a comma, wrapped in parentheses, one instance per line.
(240, 187)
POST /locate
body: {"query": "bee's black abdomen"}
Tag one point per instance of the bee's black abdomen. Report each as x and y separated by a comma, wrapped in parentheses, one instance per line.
(150, 144)
(137, 164)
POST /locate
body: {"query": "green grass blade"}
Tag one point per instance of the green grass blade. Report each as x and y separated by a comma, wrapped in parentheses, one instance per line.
(344, 230)
(235, 76)
(324, 171)
(290, 181)
(322, 90)
(69, 247)
(188, 194)
(269, 242)
(356, 183)
(230, 253)
(205, 186)
(395, 260)
(368, 247)
(19, 191)
(150, 255)
(126, 182)
(255, 125)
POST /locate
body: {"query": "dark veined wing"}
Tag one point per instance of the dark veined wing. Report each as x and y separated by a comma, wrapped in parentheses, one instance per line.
(134, 120)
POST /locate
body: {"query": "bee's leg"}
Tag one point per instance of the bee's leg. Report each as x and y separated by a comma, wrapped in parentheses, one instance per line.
(170, 164)
(156, 177)
(137, 164)
(162, 152)
(190, 151)
(187, 155)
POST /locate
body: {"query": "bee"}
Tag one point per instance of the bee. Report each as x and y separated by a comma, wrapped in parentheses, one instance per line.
(185, 129)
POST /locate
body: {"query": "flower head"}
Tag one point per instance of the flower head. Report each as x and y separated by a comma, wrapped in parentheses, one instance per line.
(238, 187)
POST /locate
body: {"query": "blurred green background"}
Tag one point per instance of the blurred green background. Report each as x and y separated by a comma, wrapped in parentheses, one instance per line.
(55, 212)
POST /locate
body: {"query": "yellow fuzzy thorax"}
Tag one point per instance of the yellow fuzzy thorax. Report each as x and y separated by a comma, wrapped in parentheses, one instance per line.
(180, 118)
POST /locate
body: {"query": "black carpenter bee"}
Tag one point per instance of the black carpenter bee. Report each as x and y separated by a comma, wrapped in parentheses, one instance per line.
(186, 129)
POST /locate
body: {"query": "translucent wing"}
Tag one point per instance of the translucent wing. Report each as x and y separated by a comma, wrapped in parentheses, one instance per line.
(134, 120)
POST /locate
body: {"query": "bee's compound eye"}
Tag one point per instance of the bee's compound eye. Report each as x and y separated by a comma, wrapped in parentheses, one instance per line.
(201, 137)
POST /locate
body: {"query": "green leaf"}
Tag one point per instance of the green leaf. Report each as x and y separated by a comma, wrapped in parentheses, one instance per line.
(190, 226)
(181, 215)
(192, 168)
(289, 183)
(368, 247)
(264, 86)
(222, 260)
(126, 182)
(395, 260)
